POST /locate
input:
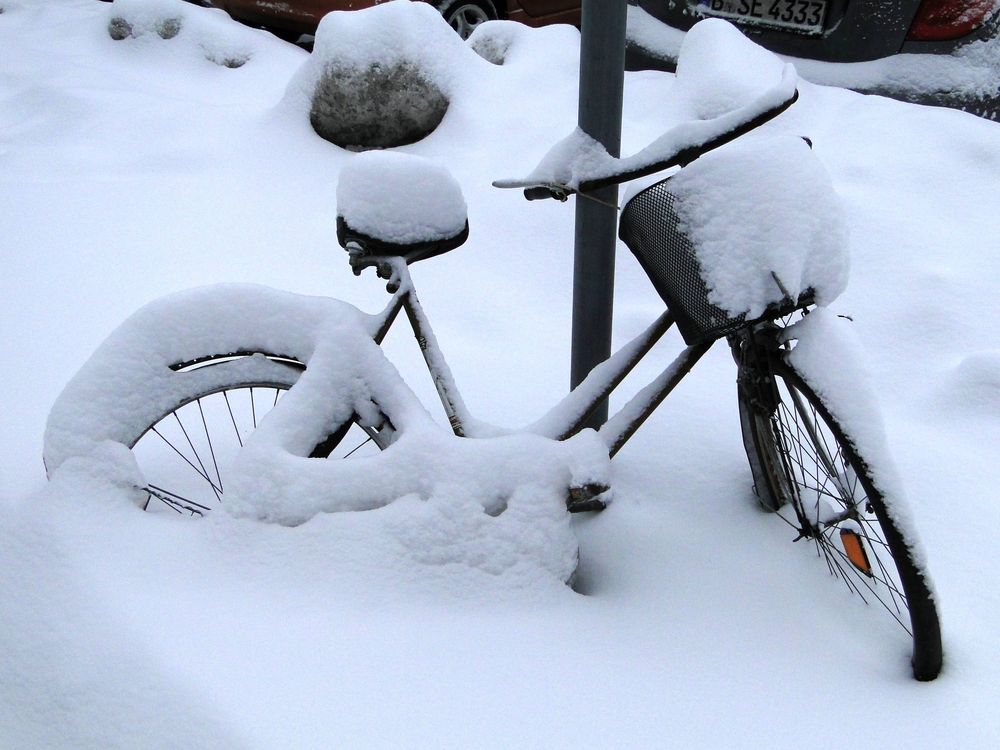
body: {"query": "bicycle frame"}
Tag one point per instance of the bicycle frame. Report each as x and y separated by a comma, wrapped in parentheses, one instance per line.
(567, 417)
(678, 147)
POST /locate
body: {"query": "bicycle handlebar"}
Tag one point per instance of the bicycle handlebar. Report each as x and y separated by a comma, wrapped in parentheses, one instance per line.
(686, 152)
(685, 156)
(540, 193)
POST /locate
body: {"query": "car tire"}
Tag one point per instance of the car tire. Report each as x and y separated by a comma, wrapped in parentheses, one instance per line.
(465, 15)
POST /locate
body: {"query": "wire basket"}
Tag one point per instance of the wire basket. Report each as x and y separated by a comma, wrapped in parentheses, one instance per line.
(649, 225)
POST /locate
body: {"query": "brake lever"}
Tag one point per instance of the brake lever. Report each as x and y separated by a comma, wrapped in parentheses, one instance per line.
(542, 193)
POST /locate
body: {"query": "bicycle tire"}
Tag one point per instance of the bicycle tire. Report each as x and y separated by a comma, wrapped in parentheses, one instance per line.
(183, 452)
(791, 443)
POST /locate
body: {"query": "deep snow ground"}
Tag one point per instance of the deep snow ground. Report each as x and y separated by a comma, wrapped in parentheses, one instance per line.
(132, 169)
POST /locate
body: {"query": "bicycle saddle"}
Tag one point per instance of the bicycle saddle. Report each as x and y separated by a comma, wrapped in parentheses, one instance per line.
(400, 205)
(410, 252)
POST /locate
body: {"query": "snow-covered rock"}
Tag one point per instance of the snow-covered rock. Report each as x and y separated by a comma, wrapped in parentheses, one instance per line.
(382, 77)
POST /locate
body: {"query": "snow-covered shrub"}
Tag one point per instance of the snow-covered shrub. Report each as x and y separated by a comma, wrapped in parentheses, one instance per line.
(501, 42)
(133, 18)
(211, 34)
(227, 57)
(492, 40)
(381, 77)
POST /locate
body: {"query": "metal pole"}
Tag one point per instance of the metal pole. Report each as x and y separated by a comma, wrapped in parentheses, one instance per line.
(602, 66)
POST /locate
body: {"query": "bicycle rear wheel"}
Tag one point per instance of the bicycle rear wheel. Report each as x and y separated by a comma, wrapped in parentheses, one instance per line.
(184, 453)
(808, 472)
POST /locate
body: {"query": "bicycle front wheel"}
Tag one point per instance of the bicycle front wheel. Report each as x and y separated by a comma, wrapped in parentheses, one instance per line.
(808, 472)
(183, 454)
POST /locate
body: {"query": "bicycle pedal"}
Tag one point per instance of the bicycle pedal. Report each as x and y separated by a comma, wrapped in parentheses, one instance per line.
(586, 498)
(585, 506)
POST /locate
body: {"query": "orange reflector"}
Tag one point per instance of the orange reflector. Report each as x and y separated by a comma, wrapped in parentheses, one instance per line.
(855, 550)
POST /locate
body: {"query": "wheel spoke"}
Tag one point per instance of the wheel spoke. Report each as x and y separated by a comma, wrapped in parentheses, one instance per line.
(184, 464)
(233, 418)
(174, 448)
(211, 448)
(204, 471)
(173, 499)
(803, 461)
(362, 445)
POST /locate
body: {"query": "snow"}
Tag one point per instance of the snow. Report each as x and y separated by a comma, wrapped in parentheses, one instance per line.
(400, 198)
(733, 204)
(394, 32)
(134, 169)
(974, 380)
(826, 355)
(437, 480)
(646, 32)
(208, 35)
(719, 69)
(127, 384)
(390, 34)
(714, 94)
(148, 16)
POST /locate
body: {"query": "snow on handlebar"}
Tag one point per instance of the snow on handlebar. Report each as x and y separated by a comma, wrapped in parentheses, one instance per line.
(578, 163)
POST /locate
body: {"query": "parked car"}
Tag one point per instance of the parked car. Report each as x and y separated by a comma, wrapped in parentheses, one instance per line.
(861, 31)
(823, 34)
(842, 30)
(290, 18)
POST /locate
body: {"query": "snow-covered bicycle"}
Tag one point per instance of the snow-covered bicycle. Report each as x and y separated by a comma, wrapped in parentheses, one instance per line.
(186, 381)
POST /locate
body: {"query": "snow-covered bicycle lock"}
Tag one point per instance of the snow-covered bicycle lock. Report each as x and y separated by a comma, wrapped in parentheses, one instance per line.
(171, 405)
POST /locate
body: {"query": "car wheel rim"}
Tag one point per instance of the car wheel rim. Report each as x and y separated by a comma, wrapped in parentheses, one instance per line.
(465, 18)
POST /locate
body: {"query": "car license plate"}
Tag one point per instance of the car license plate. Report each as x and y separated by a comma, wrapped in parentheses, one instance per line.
(798, 15)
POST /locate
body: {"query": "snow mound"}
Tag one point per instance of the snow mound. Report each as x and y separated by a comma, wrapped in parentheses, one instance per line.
(134, 18)
(493, 40)
(383, 76)
(503, 498)
(390, 33)
(400, 198)
(719, 69)
(762, 207)
(973, 385)
(511, 42)
(495, 505)
(209, 33)
(443, 542)
(651, 35)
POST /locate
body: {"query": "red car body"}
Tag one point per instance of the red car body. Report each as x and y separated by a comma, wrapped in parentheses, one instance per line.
(302, 16)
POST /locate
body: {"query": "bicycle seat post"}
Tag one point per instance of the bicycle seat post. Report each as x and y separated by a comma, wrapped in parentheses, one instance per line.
(454, 405)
